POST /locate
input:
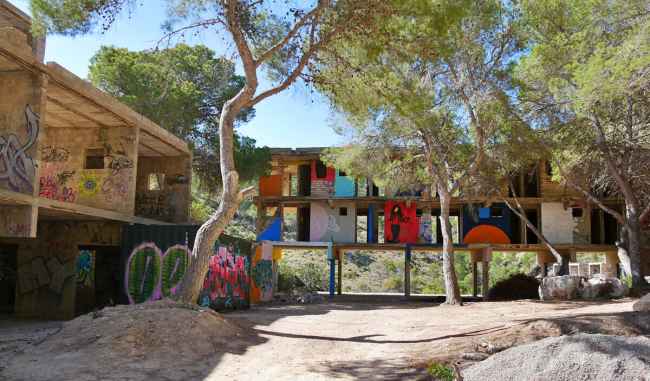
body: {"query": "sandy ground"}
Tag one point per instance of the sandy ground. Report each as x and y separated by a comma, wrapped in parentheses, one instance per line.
(351, 341)
(339, 340)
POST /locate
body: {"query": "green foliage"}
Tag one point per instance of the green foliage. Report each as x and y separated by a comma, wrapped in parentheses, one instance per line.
(303, 271)
(441, 372)
(74, 17)
(183, 89)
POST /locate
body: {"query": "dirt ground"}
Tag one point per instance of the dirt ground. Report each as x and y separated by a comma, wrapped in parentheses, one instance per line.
(352, 341)
(339, 340)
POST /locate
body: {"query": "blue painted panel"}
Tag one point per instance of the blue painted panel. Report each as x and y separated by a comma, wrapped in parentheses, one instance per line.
(273, 232)
(502, 222)
(343, 186)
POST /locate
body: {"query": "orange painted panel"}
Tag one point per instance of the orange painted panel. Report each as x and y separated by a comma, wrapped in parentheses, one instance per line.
(486, 234)
(271, 185)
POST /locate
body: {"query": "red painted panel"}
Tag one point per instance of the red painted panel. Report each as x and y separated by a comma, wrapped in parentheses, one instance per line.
(486, 234)
(401, 222)
(271, 186)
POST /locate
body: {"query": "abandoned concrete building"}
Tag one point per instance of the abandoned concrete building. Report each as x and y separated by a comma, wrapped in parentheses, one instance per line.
(76, 166)
(337, 212)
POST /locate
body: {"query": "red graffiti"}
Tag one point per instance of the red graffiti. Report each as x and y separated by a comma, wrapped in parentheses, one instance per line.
(226, 275)
(49, 188)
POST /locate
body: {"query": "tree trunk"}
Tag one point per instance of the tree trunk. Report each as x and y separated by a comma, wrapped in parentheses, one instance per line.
(629, 248)
(210, 231)
(452, 291)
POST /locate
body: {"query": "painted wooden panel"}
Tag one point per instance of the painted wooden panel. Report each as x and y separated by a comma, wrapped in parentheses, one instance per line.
(336, 224)
(343, 185)
(322, 180)
(401, 222)
(271, 186)
(498, 215)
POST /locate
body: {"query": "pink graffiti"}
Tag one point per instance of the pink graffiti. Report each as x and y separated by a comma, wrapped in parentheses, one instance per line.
(49, 188)
(226, 272)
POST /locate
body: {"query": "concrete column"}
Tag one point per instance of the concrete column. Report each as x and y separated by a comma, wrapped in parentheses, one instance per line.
(330, 259)
(407, 271)
(610, 267)
(487, 257)
(339, 255)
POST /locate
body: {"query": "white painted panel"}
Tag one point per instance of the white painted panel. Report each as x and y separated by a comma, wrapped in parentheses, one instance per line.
(557, 223)
(326, 224)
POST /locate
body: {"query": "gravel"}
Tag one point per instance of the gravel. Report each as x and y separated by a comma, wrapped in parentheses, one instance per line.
(571, 358)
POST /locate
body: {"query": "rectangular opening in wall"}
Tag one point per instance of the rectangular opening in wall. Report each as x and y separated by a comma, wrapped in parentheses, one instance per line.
(381, 236)
(290, 221)
(611, 229)
(455, 228)
(362, 227)
(8, 278)
(596, 227)
(293, 185)
(496, 212)
(304, 180)
(303, 223)
(576, 212)
(531, 182)
(343, 211)
(342, 174)
(321, 170)
(156, 182)
(532, 216)
(515, 228)
(94, 158)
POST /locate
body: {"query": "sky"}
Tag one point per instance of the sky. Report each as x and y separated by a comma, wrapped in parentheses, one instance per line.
(293, 118)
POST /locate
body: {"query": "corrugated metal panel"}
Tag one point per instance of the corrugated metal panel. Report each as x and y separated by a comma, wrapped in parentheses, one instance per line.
(166, 236)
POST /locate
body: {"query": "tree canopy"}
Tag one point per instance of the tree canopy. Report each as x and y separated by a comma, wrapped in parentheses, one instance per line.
(183, 89)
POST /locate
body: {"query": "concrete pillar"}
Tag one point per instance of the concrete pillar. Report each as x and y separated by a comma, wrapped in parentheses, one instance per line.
(487, 257)
(339, 288)
(476, 257)
(407, 271)
(331, 260)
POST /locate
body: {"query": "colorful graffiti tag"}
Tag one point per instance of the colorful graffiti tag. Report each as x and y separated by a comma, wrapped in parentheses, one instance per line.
(88, 184)
(174, 265)
(262, 274)
(17, 167)
(227, 285)
(86, 268)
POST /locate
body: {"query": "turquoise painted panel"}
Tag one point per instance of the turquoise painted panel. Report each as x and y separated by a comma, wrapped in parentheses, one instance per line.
(343, 186)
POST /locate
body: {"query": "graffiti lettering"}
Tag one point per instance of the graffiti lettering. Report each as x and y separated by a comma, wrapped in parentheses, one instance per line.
(227, 284)
(115, 188)
(49, 188)
(51, 154)
(16, 166)
(150, 275)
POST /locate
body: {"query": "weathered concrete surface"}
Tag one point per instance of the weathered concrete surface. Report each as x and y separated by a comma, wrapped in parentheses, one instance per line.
(565, 287)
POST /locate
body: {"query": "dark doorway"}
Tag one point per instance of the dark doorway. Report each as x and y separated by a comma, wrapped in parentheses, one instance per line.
(8, 278)
(303, 224)
(531, 237)
(611, 229)
(99, 276)
(515, 228)
(304, 180)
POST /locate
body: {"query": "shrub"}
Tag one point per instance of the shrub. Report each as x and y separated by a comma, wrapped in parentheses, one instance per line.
(517, 286)
(441, 372)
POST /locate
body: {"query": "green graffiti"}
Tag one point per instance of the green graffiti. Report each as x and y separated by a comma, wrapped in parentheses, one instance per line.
(263, 274)
(144, 273)
(174, 265)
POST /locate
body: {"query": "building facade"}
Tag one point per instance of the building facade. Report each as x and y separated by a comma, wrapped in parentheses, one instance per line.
(76, 166)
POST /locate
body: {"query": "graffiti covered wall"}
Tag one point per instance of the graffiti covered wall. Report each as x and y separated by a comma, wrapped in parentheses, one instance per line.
(49, 269)
(172, 201)
(322, 180)
(227, 284)
(262, 274)
(401, 222)
(337, 224)
(65, 174)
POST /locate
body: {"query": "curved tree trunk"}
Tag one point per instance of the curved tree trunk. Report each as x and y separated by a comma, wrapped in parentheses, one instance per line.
(629, 247)
(452, 291)
(210, 231)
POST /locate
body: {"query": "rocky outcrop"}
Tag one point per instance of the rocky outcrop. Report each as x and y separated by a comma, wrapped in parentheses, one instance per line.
(564, 287)
(642, 305)
(569, 287)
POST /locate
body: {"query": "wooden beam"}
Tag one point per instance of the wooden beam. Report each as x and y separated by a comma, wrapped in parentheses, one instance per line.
(79, 113)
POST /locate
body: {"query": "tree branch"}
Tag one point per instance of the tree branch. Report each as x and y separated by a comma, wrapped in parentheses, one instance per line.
(291, 34)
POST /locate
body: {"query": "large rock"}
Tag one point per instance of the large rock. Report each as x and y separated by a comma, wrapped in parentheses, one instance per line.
(568, 358)
(609, 288)
(564, 287)
(643, 304)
